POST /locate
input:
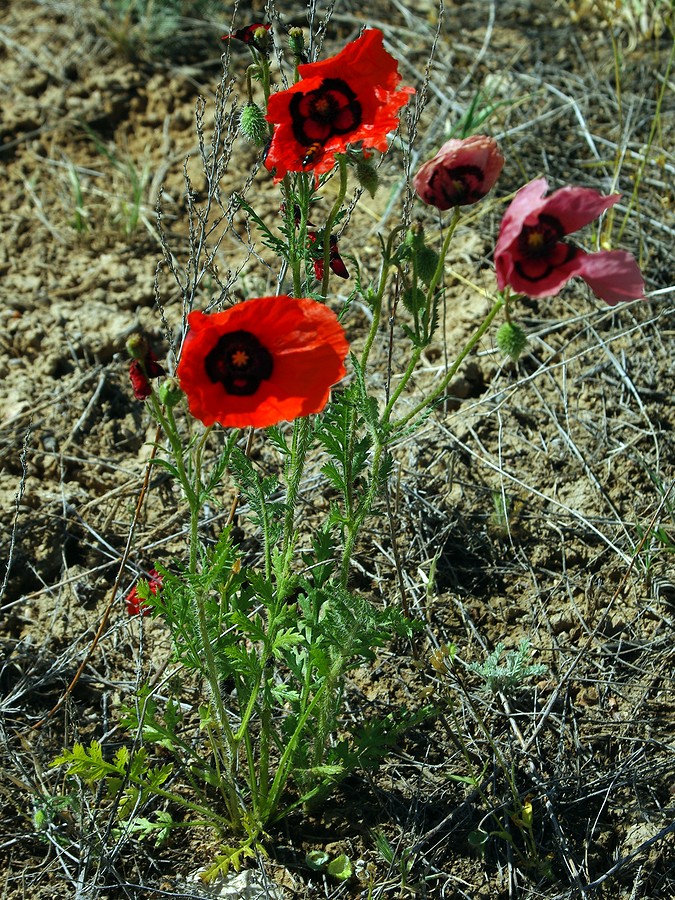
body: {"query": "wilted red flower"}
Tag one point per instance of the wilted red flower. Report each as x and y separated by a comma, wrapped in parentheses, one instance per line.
(137, 605)
(335, 261)
(263, 361)
(462, 172)
(141, 369)
(248, 35)
(347, 98)
(532, 258)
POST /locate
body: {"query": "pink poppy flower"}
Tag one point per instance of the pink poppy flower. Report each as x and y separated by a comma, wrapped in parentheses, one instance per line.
(532, 258)
(462, 172)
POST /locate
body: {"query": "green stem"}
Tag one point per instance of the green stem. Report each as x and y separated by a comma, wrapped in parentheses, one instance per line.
(376, 300)
(405, 378)
(285, 765)
(452, 371)
(354, 526)
(440, 268)
(297, 232)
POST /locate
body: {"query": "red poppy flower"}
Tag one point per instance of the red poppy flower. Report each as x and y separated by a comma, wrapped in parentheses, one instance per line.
(263, 361)
(532, 258)
(344, 99)
(462, 172)
(137, 605)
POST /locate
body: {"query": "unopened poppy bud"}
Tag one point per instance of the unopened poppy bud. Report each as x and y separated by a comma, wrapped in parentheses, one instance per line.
(461, 173)
(170, 392)
(253, 125)
(137, 346)
(511, 339)
(367, 176)
(296, 41)
(261, 38)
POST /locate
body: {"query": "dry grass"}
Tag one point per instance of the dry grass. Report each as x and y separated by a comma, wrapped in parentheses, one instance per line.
(535, 503)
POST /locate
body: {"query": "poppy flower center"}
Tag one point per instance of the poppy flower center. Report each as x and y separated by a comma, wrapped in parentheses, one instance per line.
(239, 362)
(459, 185)
(538, 241)
(540, 249)
(328, 110)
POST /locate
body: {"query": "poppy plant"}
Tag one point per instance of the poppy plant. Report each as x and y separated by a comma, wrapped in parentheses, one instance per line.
(339, 101)
(261, 362)
(533, 259)
(461, 173)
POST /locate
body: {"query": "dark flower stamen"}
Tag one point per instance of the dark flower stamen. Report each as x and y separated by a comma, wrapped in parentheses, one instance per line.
(320, 114)
(537, 241)
(460, 186)
(541, 249)
(239, 362)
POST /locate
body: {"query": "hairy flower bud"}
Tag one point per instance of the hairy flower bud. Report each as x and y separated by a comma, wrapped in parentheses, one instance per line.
(252, 124)
(425, 258)
(462, 172)
(367, 176)
(414, 300)
(511, 339)
(296, 41)
(427, 263)
(137, 346)
(170, 392)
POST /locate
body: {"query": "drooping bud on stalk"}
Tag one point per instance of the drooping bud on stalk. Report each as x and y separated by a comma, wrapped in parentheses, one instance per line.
(367, 176)
(253, 125)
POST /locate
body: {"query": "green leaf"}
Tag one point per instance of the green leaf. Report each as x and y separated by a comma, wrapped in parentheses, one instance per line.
(230, 859)
(317, 860)
(340, 867)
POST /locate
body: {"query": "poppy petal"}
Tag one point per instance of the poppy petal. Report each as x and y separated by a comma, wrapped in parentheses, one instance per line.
(531, 258)
(527, 202)
(545, 282)
(613, 275)
(575, 207)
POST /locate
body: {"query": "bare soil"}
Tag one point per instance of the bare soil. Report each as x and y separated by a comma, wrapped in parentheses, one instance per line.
(536, 502)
